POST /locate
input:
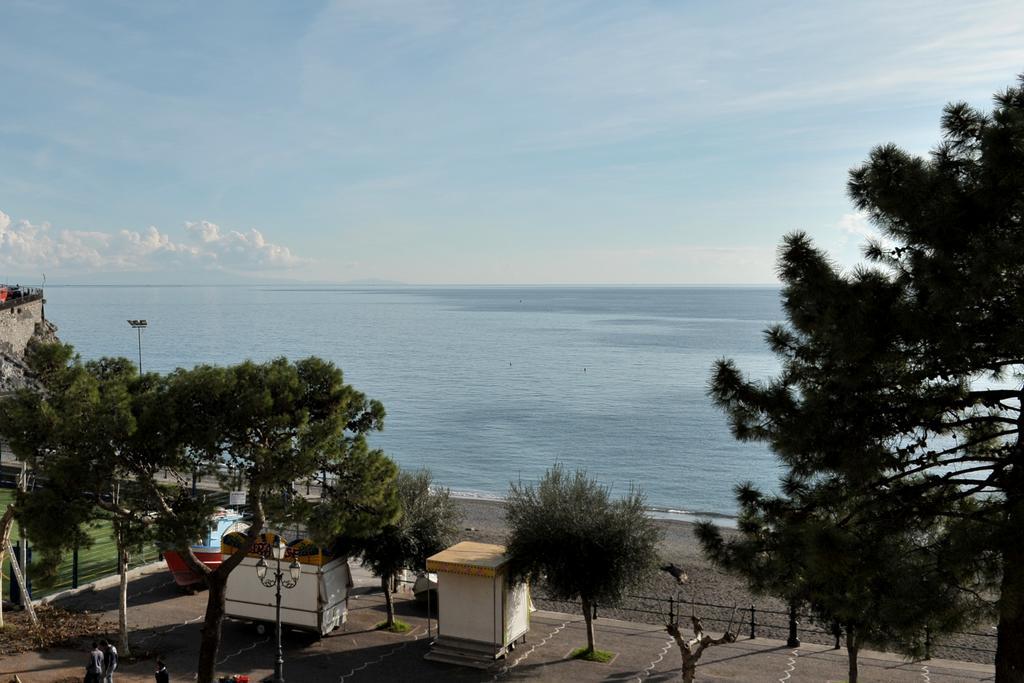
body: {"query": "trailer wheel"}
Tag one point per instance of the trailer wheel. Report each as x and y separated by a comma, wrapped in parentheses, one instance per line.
(263, 628)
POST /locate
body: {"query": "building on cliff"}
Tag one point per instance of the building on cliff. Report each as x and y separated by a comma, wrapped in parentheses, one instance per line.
(22, 319)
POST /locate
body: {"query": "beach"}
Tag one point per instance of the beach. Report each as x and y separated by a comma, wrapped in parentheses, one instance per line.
(483, 521)
(712, 593)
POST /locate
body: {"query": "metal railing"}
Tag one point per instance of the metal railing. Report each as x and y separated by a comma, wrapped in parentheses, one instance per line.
(755, 622)
(20, 295)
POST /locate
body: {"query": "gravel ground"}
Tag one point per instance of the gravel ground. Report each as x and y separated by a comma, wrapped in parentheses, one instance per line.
(484, 521)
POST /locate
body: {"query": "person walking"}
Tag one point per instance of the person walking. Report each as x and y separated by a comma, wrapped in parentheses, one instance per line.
(161, 672)
(94, 668)
(109, 661)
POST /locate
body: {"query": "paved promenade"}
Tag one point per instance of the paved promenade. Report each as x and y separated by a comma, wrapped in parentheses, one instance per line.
(166, 621)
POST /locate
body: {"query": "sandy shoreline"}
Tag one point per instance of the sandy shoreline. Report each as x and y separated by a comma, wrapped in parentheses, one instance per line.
(484, 521)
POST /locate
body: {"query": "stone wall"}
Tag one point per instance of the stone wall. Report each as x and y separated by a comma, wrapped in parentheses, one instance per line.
(18, 324)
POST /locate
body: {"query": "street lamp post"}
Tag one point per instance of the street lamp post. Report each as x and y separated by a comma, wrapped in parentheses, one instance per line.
(294, 570)
(139, 325)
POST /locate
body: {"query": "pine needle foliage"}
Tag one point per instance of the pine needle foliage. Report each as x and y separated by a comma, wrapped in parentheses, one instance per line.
(902, 378)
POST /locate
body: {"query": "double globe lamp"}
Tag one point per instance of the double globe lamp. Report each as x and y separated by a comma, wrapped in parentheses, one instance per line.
(294, 570)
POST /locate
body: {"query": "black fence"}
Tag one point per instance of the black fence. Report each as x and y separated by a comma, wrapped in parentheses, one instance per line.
(751, 621)
(15, 295)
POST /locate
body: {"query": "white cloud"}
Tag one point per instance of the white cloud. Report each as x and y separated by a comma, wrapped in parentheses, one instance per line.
(27, 245)
(846, 239)
(204, 230)
(856, 226)
(233, 248)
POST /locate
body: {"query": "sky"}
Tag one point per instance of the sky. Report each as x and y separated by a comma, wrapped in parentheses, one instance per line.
(468, 142)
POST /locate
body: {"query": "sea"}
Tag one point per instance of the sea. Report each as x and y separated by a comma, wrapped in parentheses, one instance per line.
(485, 386)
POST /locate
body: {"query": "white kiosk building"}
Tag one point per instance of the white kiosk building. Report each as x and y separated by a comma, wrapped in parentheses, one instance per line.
(481, 612)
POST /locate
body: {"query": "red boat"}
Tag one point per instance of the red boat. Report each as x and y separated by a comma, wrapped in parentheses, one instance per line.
(207, 550)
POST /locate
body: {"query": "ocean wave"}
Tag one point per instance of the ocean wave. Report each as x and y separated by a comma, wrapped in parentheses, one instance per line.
(665, 513)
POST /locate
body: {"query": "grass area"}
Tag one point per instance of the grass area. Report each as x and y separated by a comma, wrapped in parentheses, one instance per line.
(398, 627)
(94, 562)
(601, 656)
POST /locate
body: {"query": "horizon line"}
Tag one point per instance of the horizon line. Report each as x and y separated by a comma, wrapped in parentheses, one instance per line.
(384, 285)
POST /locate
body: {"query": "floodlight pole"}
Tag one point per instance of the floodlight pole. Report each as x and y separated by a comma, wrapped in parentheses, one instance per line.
(139, 325)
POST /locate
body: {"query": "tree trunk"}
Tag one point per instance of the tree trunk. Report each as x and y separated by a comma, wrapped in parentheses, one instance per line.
(210, 639)
(852, 648)
(6, 524)
(1009, 652)
(216, 582)
(385, 583)
(588, 617)
(122, 601)
(689, 672)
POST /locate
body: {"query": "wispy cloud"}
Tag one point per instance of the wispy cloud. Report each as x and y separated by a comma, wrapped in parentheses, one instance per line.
(376, 129)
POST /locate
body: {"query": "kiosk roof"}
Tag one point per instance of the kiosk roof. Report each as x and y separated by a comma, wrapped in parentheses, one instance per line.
(466, 555)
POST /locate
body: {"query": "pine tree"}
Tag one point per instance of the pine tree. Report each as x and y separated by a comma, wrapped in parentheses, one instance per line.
(902, 377)
(882, 580)
(271, 424)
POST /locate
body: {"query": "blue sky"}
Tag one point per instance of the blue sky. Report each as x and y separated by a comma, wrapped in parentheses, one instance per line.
(463, 142)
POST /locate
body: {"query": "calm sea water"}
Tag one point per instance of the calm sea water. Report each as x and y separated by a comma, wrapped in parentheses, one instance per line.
(486, 385)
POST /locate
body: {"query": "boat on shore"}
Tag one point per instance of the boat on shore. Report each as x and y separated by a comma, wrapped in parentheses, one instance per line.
(206, 549)
(425, 587)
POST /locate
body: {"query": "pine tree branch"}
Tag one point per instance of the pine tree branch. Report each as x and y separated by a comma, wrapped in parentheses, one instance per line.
(971, 421)
(930, 465)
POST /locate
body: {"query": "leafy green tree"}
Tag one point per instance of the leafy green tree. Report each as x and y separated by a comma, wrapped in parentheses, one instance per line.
(428, 525)
(903, 376)
(69, 434)
(273, 425)
(568, 533)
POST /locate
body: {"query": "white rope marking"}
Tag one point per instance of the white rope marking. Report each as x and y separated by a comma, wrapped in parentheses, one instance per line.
(150, 590)
(244, 649)
(132, 596)
(661, 655)
(926, 674)
(505, 669)
(158, 632)
(790, 667)
(374, 662)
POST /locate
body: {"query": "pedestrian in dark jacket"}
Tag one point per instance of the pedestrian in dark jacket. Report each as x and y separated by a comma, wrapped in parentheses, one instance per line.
(109, 661)
(94, 668)
(161, 672)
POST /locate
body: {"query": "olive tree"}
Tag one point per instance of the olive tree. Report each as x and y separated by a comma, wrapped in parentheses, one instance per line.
(568, 533)
(428, 524)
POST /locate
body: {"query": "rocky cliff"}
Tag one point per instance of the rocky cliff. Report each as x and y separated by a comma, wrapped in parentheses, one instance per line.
(21, 323)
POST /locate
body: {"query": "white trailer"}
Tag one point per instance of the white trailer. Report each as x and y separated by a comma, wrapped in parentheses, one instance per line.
(319, 600)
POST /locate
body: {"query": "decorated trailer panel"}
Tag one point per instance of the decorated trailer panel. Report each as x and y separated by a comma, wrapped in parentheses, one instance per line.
(317, 602)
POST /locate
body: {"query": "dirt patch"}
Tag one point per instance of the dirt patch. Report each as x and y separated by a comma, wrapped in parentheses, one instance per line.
(56, 627)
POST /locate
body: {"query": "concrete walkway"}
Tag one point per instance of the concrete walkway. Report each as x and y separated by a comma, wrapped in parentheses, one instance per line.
(166, 622)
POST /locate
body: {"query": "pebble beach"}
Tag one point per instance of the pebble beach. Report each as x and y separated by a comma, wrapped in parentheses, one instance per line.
(713, 594)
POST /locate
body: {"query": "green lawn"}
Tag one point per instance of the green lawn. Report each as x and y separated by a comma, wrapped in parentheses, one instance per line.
(93, 563)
